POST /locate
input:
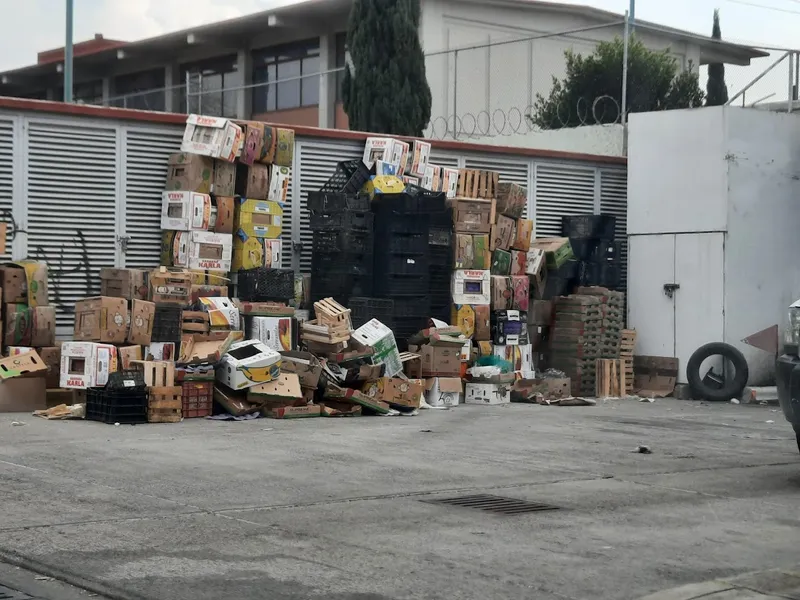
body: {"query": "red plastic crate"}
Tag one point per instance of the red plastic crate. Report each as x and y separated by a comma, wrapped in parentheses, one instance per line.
(198, 397)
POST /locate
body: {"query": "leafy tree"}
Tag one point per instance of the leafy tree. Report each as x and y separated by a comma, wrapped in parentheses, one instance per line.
(716, 88)
(591, 93)
(385, 89)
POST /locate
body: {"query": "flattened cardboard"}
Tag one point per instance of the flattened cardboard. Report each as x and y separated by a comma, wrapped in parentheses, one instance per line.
(255, 252)
(655, 376)
(283, 390)
(225, 206)
(141, 326)
(24, 394)
(503, 232)
(252, 181)
(357, 397)
(101, 319)
(28, 364)
(247, 364)
(393, 390)
(212, 136)
(471, 287)
(549, 389)
(234, 402)
(279, 183)
(303, 364)
(295, 412)
(523, 235)
(19, 325)
(131, 284)
(185, 211)
(170, 286)
(332, 408)
(444, 391)
(190, 173)
(128, 354)
(43, 332)
(198, 349)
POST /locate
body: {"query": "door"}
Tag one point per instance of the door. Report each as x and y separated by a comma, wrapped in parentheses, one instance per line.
(651, 264)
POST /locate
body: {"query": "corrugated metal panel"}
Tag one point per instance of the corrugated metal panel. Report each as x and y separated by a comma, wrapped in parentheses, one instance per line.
(71, 181)
(318, 162)
(145, 160)
(614, 201)
(514, 171)
(443, 158)
(7, 154)
(562, 190)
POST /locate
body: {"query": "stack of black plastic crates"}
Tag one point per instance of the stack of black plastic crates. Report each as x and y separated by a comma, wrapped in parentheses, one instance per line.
(598, 255)
(342, 236)
(123, 400)
(440, 241)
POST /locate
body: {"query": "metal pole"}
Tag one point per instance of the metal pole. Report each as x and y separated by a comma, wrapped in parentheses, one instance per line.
(796, 74)
(455, 95)
(789, 100)
(624, 118)
(68, 55)
(632, 14)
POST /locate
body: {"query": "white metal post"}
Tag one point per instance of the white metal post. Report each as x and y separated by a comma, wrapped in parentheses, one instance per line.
(626, 41)
(789, 100)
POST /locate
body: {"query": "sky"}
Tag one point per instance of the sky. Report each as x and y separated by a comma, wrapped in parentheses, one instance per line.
(757, 22)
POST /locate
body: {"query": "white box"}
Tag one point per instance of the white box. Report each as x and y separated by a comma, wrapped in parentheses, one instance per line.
(222, 313)
(450, 182)
(444, 391)
(385, 168)
(488, 393)
(203, 250)
(472, 287)
(274, 332)
(212, 136)
(519, 356)
(381, 339)
(419, 160)
(86, 364)
(247, 364)
(378, 148)
(185, 211)
(279, 183)
(400, 156)
(433, 178)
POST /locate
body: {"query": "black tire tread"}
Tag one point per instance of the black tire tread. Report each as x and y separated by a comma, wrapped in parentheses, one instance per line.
(731, 389)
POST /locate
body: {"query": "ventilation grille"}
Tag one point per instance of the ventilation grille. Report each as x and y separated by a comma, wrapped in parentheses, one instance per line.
(494, 504)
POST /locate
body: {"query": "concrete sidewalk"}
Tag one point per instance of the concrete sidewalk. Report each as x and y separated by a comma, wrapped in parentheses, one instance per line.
(774, 584)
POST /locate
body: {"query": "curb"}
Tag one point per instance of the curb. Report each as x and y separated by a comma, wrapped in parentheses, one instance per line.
(774, 584)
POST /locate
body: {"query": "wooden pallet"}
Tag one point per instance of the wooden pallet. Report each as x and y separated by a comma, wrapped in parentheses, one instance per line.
(165, 404)
(473, 183)
(314, 331)
(157, 374)
(195, 321)
(334, 315)
(610, 378)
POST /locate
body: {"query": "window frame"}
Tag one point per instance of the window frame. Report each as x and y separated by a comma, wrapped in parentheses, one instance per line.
(267, 68)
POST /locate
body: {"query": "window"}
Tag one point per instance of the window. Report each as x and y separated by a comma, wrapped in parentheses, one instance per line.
(142, 91)
(83, 93)
(212, 88)
(288, 76)
(341, 62)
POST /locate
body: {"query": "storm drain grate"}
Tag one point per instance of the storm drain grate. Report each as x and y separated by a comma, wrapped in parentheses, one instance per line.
(495, 504)
(7, 593)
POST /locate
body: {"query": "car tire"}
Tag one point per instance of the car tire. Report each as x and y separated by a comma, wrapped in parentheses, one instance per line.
(732, 388)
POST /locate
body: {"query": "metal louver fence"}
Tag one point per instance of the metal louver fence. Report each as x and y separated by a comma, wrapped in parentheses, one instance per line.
(562, 190)
(614, 201)
(509, 170)
(8, 152)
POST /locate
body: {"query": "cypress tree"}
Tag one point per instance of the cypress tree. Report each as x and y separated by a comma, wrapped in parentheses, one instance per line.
(384, 88)
(717, 90)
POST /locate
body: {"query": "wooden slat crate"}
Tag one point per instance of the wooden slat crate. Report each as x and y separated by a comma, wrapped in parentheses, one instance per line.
(610, 379)
(195, 321)
(165, 404)
(156, 373)
(314, 331)
(626, 348)
(334, 315)
(474, 183)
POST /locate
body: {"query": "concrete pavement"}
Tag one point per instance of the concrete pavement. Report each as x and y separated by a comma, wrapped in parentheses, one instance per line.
(336, 509)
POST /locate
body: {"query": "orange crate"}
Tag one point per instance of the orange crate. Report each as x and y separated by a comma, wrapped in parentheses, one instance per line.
(197, 398)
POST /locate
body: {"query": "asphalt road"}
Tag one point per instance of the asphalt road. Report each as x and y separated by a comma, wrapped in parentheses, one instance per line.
(338, 509)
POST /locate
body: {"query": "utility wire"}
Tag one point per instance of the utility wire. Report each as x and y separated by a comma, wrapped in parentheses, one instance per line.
(765, 7)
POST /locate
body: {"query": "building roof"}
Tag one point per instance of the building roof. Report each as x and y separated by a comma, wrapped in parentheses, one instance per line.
(241, 28)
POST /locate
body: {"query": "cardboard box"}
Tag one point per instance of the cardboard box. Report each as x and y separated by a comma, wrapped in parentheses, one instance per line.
(247, 364)
(521, 357)
(204, 277)
(207, 291)
(502, 292)
(26, 281)
(197, 349)
(557, 250)
(400, 157)
(550, 389)
(381, 339)
(440, 361)
(511, 199)
(15, 287)
(268, 146)
(224, 179)
(473, 216)
(519, 262)
(128, 354)
(19, 325)
(303, 364)
(253, 145)
(433, 178)
(279, 183)
(384, 184)
(283, 390)
(274, 332)
(258, 218)
(473, 320)
(520, 290)
(523, 235)
(190, 173)
(450, 182)
(332, 408)
(472, 251)
(141, 323)
(222, 312)
(225, 214)
(101, 319)
(284, 147)
(255, 252)
(212, 136)
(87, 364)
(23, 394)
(503, 233)
(51, 356)
(535, 262)
(444, 391)
(472, 286)
(131, 284)
(161, 351)
(381, 148)
(419, 158)
(185, 211)
(43, 332)
(357, 397)
(501, 263)
(393, 390)
(510, 328)
(27, 364)
(234, 402)
(252, 181)
(170, 286)
(198, 250)
(487, 393)
(295, 412)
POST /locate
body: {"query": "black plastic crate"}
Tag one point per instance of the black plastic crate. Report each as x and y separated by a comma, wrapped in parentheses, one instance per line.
(328, 202)
(603, 274)
(605, 251)
(413, 200)
(392, 286)
(440, 237)
(589, 226)
(167, 323)
(344, 264)
(558, 286)
(340, 286)
(441, 257)
(350, 176)
(415, 244)
(342, 220)
(127, 379)
(412, 307)
(402, 264)
(434, 201)
(389, 223)
(363, 310)
(356, 242)
(583, 248)
(404, 328)
(265, 285)
(124, 406)
(568, 270)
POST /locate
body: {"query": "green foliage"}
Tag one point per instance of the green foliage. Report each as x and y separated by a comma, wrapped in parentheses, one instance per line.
(591, 93)
(388, 91)
(716, 88)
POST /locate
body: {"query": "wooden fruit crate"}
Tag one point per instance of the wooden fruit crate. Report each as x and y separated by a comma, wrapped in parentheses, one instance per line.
(314, 331)
(610, 382)
(156, 373)
(334, 315)
(164, 405)
(474, 183)
(195, 321)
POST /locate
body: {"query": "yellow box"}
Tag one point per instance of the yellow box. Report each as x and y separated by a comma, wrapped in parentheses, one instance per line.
(254, 252)
(258, 218)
